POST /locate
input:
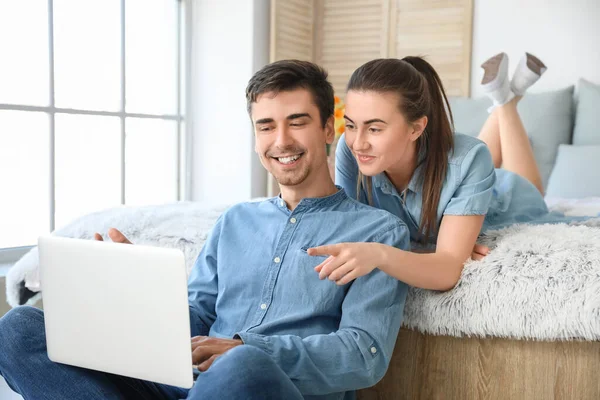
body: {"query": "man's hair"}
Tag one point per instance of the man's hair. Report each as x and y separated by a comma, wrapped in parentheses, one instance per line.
(287, 75)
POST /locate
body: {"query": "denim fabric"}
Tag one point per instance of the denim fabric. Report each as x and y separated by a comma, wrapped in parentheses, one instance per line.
(472, 187)
(255, 280)
(242, 373)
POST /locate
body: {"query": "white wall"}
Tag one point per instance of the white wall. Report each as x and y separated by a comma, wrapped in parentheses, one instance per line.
(564, 34)
(230, 42)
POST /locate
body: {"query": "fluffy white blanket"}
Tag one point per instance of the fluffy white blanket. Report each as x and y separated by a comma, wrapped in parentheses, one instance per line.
(540, 282)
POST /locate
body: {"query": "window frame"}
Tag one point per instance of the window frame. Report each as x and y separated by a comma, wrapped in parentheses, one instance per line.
(184, 101)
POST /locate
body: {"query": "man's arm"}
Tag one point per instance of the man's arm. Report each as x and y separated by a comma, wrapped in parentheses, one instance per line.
(358, 354)
(202, 283)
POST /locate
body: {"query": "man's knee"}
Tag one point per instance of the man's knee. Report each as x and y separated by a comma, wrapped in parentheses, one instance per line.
(245, 355)
(20, 323)
(249, 365)
(244, 372)
(245, 361)
(21, 319)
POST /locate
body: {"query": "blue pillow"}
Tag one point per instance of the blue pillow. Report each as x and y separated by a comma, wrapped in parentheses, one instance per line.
(547, 117)
(587, 117)
(576, 173)
(469, 114)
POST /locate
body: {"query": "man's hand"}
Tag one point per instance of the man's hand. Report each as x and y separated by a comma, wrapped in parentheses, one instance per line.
(479, 252)
(114, 235)
(206, 349)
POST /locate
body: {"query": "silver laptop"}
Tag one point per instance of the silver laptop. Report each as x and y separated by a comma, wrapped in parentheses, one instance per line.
(117, 308)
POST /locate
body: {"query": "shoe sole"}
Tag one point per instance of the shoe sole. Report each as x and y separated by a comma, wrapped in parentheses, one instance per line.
(491, 67)
(535, 64)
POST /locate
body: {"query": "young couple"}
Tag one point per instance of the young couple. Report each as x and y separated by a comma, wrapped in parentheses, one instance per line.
(301, 296)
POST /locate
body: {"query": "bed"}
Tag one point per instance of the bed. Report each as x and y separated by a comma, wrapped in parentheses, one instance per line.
(523, 324)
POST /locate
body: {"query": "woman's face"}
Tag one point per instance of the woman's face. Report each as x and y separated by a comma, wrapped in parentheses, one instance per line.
(377, 133)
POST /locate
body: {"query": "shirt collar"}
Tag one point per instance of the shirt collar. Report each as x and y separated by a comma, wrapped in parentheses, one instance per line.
(383, 182)
(316, 202)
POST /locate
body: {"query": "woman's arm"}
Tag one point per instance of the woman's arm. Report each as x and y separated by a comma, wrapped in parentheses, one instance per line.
(440, 270)
(459, 228)
(437, 271)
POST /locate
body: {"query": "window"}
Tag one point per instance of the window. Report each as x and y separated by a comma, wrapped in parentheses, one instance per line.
(91, 110)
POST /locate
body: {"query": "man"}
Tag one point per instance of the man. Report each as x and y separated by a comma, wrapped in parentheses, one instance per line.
(264, 325)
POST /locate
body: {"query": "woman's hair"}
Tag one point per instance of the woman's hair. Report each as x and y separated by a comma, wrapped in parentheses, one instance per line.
(421, 93)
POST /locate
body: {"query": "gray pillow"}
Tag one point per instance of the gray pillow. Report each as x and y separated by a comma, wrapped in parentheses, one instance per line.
(576, 173)
(547, 117)
(587, 117)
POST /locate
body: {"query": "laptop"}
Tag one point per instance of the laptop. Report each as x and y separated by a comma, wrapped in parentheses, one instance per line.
(117, 308)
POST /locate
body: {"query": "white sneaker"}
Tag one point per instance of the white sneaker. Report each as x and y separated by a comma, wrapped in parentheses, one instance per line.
(495, 82)
(529, 70)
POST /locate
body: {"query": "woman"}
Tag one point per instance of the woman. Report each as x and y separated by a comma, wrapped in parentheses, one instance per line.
(400, 153)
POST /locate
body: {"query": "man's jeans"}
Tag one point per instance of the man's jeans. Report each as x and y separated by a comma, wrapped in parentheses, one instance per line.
(244, 372)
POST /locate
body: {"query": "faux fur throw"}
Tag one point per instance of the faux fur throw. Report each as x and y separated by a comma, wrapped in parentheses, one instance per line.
(539, 282)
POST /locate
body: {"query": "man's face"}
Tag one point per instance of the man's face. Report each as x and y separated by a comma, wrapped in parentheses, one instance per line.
(290, 139)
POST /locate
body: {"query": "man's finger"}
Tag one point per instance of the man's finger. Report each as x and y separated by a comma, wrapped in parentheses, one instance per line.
(206, 364)
(327, 250)
(477, 256)
(198, 341)
(200, 353)
(98, 237)
(117, 237)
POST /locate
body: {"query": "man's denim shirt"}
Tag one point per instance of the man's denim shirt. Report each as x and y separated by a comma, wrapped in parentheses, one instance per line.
(254, 280)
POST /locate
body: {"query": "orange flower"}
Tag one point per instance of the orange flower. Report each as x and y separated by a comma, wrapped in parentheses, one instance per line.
(341, 129)
(339, 113)
(336, 100)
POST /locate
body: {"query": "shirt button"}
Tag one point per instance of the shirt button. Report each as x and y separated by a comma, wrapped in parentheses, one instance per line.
(293, 220)
(277, 259)
(263, 306)
(373, 350)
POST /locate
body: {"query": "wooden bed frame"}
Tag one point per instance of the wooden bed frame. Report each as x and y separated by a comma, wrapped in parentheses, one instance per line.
(444, 367)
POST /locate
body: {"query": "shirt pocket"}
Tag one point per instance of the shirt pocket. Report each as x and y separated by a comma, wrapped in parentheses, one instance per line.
(304, 252)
